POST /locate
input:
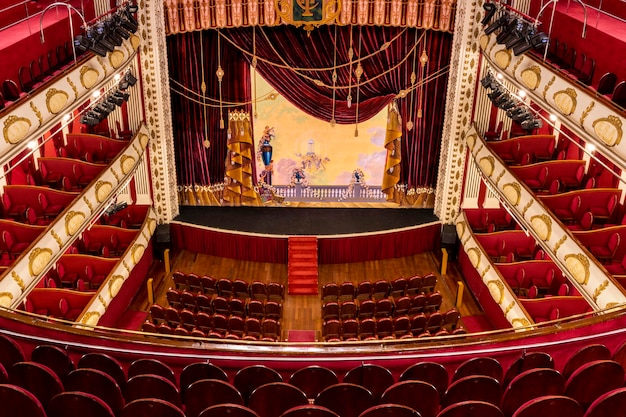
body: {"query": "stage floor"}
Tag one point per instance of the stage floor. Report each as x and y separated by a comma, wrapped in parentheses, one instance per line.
(304, 221)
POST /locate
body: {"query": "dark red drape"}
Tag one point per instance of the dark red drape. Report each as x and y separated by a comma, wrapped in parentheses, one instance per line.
(386, 72)
(196, 164)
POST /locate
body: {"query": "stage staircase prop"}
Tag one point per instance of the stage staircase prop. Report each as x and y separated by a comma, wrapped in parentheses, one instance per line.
(302, 268)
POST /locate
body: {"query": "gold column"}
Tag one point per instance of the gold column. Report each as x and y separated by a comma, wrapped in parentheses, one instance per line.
(238, 185)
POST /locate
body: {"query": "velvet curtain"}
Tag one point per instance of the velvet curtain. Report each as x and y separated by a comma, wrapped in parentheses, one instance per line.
(385, 75)
(189, 55)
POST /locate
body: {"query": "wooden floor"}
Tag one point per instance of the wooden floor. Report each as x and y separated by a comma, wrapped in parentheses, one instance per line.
(302, 312)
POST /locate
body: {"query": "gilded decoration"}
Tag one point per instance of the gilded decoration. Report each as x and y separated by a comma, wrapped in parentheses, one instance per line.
(102, 301)
(88, 203)
(6, 298)
(116, 58)
(135, 41)
(38, 259)
(558, 244)
(531, 77)
(103, 189)
(608, 130)
(487, 164)
(37, 113)
(513, 192)
(520, 322)
(56, 100)
(499, 177)
(90, 318)
(503, 58)
(15, 129)
(74, 89)
(599, 290)
(57, 238)
(460, 229)
(126, 164)
(143, 140)
(565, 101)
(104, 67)
(484, 273)
(115, 283)
(474, 255)
(508, 308)
(578, 266)
(496, 289)
(73, 221)
(151, 225)
(542, 224)
(586, 112)
(527, 206)
(547, 87)
(88, 77)
(18, 280)
(137, 252)
(517, 64)
(471, 141)
(484, 41)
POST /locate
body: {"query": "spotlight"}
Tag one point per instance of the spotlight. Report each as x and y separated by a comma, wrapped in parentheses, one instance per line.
(489, 81)
(115, 100)
(505, 104)
(520, 36)
(81, 43)
(112, 33)
(532, 124)
(497, 92)
(490, 10)
(132, 8)
(539, 41)
(130, 78)
(512, 31)
(502, 21)
(121, 95)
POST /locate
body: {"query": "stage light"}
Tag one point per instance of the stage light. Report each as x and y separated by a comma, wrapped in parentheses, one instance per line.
(511, 31)
(590, 147)
(499, 76)
(539, 41)
(489, 81)
(502, 21)
(81, 43)
(121, 95)
(553, 118)
(490, 10)
(32, 145)
(132, 8)
(96, 94)
(532, 124)
(507, 103)
(130, 78)
(497, 92)
(521, 93)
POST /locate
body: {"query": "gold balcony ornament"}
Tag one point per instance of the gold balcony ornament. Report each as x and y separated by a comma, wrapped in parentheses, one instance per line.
(308, 13)
(608, 130)
(88, 77)
(38, 259)
(15, 129)
(219, 73)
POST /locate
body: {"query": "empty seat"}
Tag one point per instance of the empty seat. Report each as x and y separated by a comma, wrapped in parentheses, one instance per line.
(309, 410)
(230, 410)
(473, 388)
(151, 407)
(38, 379)
(418, 395)
(200, 370)
(585, 355)
(471, 409)
(205, 393)
(313, 379)
(152, 367)
(610, 404)
(398, 287)
(263, 399)
(250, 378)
(431, 372)
(529, 385)
(106, 364)
(77, 404)
(593, 379)
(347, 400)
(97, 383)
(479, 366)
(528, 360)
(373, 377)
(364, 290)
(550, 405)
(19, 402)
(151, 386)
(54, 358)
(330, 292)
(392, 410)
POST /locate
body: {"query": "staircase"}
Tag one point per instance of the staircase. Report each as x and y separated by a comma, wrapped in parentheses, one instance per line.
(302, 268)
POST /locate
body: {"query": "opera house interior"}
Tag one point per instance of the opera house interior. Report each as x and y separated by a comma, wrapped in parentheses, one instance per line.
(323, 208)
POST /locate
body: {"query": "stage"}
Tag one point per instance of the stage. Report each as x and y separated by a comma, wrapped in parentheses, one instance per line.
(288, 221)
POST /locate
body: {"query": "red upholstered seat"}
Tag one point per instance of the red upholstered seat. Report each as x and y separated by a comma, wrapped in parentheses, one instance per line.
(471, 408)
(373, 377)
(486, 366)
(250, 378)
(197, 371)
(19, 402)
(345, 399)
(430, 372)
(150, 407)
(205, 393)
(263, 399)
(473, 388)
(151, 367)
(77, 404)
(151, 386)
(418, 395)
(97, 383)
(394, 410)
(313, 379)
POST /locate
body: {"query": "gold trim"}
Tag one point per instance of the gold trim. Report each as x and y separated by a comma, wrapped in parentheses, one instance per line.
(104, 68)
(485, 271)
(56, 100)
(586, 112)
(533, 74)
(74, 89)
(508, 308)
(516, 66)
(558, 244)
(578, 265)
(70, 222)
(115, 174)
(57, 238)
(474, 255)
(84, 81)
(38, 259)
(14, 133)
(88, 316)
(547, 87)
(328, 12)
(502, 58)
(605, 135)
(37, 113)
(88, 203)
(103, 189)
(102, 301)
(126, 266)
(516, 192)
(566, 101)
(6, 296)
(19, 281)
(137, 252)
(542, 224)
(487, 165)
(113, 289)
(520, 322)
(599, 290)
(116, 58)
(125, 166)
(499, 177)
(496, 285)
(527, 206)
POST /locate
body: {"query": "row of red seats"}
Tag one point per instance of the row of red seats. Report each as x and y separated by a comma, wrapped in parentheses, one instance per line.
(217, 304)
(587, 377)
(201, 324)
(419, 325)
(366, 290)
(226, 287)
(382, 307)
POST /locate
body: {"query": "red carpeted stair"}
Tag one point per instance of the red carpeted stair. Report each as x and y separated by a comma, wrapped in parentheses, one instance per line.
(302, 265)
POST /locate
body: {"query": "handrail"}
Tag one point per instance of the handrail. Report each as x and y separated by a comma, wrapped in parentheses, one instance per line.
(69, 11)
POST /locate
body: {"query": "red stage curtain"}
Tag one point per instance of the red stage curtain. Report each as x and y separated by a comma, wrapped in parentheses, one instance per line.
(379, 246)
(245, 247)
(293, 47)
(196, 164)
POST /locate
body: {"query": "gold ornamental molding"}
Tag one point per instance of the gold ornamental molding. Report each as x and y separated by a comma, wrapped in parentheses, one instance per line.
(15, 129)
(88, 76)
(308, 13)
(531, 77)
(608, 130)
(56, 100)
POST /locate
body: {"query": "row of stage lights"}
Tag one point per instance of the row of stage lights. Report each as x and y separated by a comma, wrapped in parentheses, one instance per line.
(101, 110)
(515, 108)
(516, 32)
(109, 32)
